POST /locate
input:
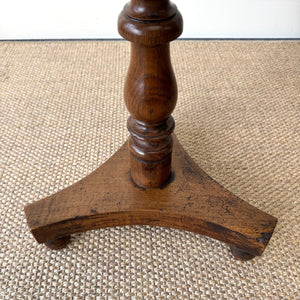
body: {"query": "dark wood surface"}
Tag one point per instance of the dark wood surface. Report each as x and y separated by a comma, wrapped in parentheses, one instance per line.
(150, 180)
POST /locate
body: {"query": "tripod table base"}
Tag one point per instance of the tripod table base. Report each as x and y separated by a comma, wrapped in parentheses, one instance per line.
(190, 201)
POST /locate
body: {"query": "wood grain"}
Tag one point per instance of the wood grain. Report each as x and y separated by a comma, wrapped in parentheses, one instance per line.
(145, 187)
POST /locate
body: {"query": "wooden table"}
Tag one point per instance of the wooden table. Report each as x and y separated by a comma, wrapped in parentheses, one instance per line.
(151, 179)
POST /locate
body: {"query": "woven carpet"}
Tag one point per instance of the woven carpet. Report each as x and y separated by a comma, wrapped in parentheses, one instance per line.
(62, 115)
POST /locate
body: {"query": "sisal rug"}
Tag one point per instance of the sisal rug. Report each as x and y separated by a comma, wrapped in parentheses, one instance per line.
(62, 115)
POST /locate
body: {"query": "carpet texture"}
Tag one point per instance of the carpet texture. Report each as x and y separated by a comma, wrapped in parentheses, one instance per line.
(62, 115)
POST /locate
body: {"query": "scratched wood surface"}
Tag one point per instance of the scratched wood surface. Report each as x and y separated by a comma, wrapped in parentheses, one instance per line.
(192, 201)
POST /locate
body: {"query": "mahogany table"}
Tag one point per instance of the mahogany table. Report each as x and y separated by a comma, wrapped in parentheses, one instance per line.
(151, 179)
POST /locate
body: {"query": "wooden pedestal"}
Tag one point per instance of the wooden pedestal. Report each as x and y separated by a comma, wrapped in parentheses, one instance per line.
(151, 179)
(190, 201)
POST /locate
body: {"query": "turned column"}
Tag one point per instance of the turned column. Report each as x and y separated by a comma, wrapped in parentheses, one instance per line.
(150, 88)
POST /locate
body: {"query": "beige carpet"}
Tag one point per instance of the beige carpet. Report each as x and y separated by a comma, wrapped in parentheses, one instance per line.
(62, 115)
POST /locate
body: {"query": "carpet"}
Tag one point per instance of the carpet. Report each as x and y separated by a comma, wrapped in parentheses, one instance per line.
(62, 115)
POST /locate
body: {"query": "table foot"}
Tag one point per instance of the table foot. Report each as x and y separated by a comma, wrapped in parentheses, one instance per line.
(191, 201)
(58, 243)
(240, 254)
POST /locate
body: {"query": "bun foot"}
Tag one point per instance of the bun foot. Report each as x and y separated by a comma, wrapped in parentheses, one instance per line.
(240, 254)
(58, 243)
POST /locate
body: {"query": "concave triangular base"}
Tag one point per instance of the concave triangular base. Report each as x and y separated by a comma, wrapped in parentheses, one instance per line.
(191, 201)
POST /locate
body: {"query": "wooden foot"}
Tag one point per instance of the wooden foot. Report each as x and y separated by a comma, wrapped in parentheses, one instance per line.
(59, 243)
(191, 201)
(240, 254)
